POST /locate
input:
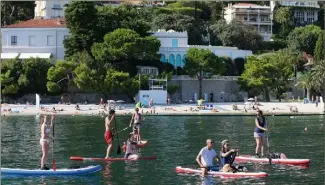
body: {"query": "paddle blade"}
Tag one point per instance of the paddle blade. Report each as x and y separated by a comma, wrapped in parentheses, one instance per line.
(53, 165)
(118, 150)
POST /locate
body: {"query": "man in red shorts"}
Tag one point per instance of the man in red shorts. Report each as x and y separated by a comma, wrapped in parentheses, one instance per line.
(108, 132)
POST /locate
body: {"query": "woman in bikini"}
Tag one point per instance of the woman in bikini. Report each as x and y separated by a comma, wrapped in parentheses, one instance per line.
(45, 140)
(136, 120)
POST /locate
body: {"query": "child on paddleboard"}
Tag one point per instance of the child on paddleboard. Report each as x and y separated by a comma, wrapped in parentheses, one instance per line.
(131, 148)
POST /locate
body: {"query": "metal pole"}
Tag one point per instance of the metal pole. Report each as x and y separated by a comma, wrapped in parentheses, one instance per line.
(139, 82)
(0, 83)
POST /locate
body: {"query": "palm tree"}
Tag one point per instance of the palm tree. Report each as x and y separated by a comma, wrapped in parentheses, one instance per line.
(305, 82)
(318, 75)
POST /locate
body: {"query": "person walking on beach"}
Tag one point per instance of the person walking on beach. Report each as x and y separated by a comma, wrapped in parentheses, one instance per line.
(259, 130)
(108, 132)
(45, 140)
(136, 120)
(205, 158)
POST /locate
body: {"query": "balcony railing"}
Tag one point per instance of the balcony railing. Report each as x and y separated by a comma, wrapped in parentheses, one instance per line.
(247, 11)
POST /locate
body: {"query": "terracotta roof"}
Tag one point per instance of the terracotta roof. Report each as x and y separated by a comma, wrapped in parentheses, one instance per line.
(39, 23)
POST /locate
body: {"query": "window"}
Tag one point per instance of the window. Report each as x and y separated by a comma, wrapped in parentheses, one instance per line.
(50, 40)
(32, 40)
(14, 40)
(174, 43)
(310, 17)
(300, 16)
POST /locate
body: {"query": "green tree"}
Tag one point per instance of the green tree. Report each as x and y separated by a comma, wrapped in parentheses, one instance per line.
(81, 17)
(10, 73)
(304, 39)
(284, 20)
(240, 65)
(237, 34)
(319, 48)
(15, 11)
(33, 76)
(231, 69)
(203, 64)
(268, 72)
(318, 75)
(122, 46)
(305, 82)
(179, 22)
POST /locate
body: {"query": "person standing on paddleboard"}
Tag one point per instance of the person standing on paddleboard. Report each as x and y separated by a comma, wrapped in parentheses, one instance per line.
(45, 140)
(136, 120)
(108, 132)
(206, 156)
(259, 130)
(131, 148)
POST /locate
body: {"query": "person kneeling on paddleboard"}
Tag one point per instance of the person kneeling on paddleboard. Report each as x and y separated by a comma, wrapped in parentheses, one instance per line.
(205, 158)
(108, 132)
(227, 158)
(131, 148)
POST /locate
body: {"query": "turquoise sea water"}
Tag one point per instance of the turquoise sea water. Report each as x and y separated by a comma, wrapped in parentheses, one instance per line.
(174, 140)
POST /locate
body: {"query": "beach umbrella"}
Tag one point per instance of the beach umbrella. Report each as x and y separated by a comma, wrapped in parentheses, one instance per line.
(139, 105)
(251, 99)
(120, 101)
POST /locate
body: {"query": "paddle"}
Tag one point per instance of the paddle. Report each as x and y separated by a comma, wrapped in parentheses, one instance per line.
(53, 160)
(123, 129)
(267, 142)
(118, 141)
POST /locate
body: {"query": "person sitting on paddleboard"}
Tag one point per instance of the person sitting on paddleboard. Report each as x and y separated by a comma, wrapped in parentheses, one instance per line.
(136, 120)
(131, 148)
(45, 140)
(108, 132)
(259, 130)
(227, 157)
(205, 158)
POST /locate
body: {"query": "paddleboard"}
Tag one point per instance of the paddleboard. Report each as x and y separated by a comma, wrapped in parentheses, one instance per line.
(180, 169)
(142, 143)
(39, 172)
(76, 158)
(253, 159)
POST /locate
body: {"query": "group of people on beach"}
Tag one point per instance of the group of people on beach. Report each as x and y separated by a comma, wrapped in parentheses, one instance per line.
(225, 159)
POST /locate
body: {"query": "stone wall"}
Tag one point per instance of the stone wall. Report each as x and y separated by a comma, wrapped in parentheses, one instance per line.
(218, 89)
(223, 89)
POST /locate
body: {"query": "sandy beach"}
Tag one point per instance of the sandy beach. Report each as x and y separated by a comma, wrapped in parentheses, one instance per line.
(269, 108)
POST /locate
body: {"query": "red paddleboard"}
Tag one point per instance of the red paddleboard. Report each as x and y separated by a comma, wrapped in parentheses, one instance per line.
(75, 158)
(180, 169)
(253, 159)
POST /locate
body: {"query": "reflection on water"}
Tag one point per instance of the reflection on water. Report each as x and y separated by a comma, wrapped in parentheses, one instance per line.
(174, 140)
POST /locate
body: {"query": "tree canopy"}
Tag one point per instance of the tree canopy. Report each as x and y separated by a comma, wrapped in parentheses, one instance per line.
(202, 63)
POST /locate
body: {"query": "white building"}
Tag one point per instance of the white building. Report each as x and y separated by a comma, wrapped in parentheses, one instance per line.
(253, 15)
(174, 46)
(304, 12)
(50, 9)
(41, 38)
